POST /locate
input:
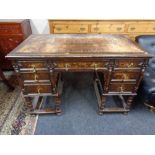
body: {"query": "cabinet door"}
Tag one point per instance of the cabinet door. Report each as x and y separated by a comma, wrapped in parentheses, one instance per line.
(7, 44)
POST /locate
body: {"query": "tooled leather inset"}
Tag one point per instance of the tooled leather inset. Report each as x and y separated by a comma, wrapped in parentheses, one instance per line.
(78, 44)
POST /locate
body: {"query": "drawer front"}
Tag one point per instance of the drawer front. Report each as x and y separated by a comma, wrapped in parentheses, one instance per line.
(107, 28)
(126, 63)
(32, 65)
(10, 29)
(146, 27)
(121, 88)
(125, 76)
(37, 89)
(82, 65)
(67, 28)
(36, 77)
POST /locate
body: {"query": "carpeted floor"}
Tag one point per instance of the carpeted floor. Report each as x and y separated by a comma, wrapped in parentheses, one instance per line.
(80, 113)
(13, 119)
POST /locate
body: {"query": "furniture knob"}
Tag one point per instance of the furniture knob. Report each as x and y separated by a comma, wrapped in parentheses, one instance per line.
(154, 28)
(132, 28)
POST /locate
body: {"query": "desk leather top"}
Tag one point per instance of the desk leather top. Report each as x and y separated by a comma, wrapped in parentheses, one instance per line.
(77, 45)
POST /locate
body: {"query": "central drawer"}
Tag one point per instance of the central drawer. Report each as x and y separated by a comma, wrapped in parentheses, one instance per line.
(82, 65)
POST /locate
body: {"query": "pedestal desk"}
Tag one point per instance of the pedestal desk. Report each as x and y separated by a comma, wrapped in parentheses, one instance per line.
(117, 62)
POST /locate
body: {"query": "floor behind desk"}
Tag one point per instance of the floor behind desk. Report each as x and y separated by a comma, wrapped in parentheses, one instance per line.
(80, 113)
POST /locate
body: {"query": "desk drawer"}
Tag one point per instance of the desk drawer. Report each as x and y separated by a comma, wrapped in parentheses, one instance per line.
(32, 65)
(67, 28)
(36, 77)
(121, 88)
(107, 28)
(142, 27)
(37, 89)
(81, 65)
(127, 63)
(125, 76)
(10, 29)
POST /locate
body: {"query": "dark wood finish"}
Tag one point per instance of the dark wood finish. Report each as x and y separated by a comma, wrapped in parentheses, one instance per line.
(120, 61)
(5, 81)
(12, 33)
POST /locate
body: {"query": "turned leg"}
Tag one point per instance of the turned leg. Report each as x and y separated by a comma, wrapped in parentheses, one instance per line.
(102, 105)
(6, 82)
(28, 103)
(129, 102)
(57, 105)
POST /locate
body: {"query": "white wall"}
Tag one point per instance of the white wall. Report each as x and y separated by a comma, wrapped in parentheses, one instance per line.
(39, 26)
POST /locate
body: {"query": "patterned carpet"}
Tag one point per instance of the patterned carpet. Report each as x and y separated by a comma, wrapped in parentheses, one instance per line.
(13, 119)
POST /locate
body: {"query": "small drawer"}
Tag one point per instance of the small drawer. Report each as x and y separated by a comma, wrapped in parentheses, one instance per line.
(142, 27)
(125, 76)
(126, 63)
(82, 65)
(121, 88)
(109, 28)
(37, 89)
(36, 77)
(74, 28)
(10, 29)
(32, 64)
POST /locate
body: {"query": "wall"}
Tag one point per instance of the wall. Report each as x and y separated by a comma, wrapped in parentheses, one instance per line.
(39, 26)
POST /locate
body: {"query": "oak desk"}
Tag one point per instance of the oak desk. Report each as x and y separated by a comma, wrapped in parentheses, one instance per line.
(117, 62)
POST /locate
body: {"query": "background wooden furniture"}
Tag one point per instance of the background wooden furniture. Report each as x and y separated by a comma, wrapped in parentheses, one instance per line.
(5, 81)
(40, 60)
(12, 33)
(132, 28)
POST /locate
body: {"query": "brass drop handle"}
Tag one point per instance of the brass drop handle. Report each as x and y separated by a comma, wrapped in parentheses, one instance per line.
(121, 89)
(36, 77)
(39, 90)
(119, 28)
(131, 64)
(66, 67)
(95, 66)
(82, 28)
(58, 29)
(140, 64)
(34, 70)
(96, 28)
(125, 76)
(132, 28)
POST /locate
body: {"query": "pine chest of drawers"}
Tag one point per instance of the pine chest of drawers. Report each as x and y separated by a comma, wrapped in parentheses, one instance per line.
(116, 61)
(12, 33)
(132, 28)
